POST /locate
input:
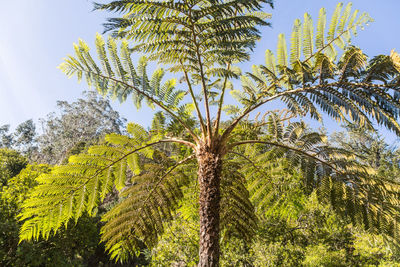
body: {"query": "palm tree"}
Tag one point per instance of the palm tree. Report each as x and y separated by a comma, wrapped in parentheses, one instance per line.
(201, 42)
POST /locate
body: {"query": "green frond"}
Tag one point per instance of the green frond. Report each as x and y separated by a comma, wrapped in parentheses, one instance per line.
(226, 30)
(270, 62)
(302, 157)
(295, 40)
(344, 18)
(282, 51)
(78, 187)
(147, 204)
(237, 212)
(348, 88)
(320, 35)
(308, 36)
(334, 22)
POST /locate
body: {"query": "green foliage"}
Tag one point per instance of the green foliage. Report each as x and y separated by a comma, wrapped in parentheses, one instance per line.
(139, 217)
(11, 163)
(314, 236)
(321, 256)
(121, 78)
(76, 246)
(179, 244)
(80, 186)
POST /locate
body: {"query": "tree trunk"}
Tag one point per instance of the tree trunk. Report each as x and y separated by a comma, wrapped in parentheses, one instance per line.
(209, 173)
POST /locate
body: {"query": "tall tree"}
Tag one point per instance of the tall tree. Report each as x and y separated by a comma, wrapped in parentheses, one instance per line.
(202, 41)
(83, 121)
(11, 163)
(5, 137)
(24, 137)
(21, 139)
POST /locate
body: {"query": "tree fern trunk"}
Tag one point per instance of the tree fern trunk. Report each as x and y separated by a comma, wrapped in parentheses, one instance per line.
(210, 167)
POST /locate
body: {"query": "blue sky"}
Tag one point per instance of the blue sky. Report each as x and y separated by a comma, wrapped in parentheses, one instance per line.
(36, 34)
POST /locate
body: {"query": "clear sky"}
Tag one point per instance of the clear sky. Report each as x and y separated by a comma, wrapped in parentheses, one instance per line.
(36, 34)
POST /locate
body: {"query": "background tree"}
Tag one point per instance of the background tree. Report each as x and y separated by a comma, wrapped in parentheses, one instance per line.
(11, 163)
(83, 121)
(370, 148)
(202, 41)
(21, 139)
(6, 138)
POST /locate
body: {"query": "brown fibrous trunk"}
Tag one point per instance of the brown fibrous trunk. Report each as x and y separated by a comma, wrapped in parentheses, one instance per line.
(209, 174)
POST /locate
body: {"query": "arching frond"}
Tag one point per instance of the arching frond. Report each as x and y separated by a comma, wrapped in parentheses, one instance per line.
(120, 78)
(349, 88)
(81, 185)
(237, 212)
(352, 189)
(147, 204)
(227, 28)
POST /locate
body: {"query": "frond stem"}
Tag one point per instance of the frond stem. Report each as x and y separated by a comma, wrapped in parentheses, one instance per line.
(230, 128)
(203, 82)
(221, 101)
(194, 100)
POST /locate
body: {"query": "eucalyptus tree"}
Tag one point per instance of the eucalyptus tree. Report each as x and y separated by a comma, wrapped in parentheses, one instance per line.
(83, 121)
(22, 139)
(200, 42)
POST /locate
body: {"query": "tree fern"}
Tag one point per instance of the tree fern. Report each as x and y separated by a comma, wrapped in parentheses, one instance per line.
(202, 41)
